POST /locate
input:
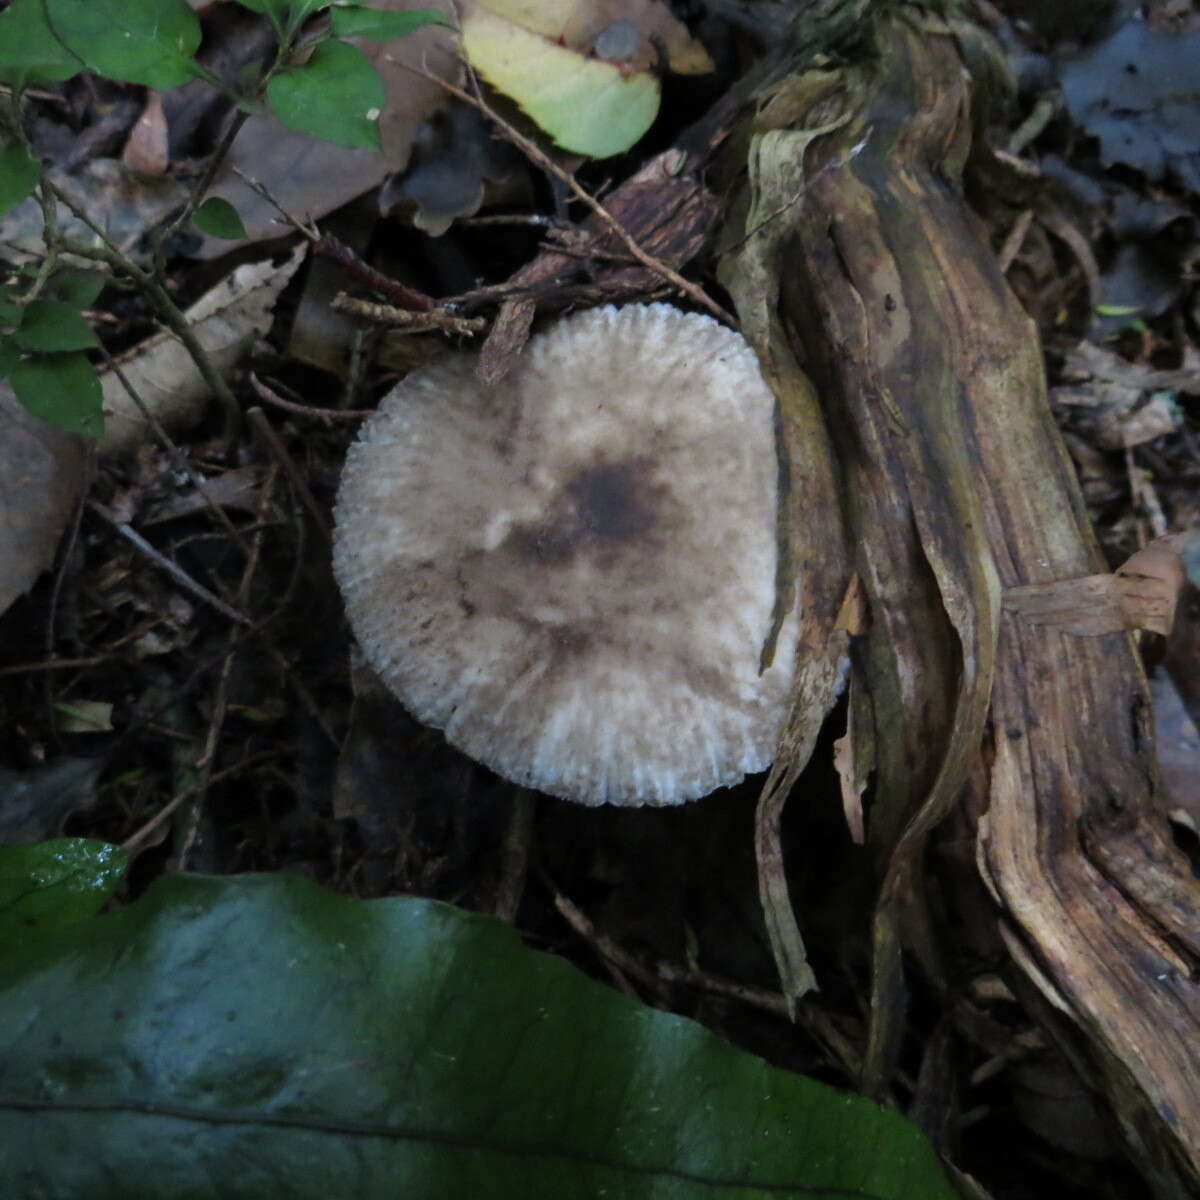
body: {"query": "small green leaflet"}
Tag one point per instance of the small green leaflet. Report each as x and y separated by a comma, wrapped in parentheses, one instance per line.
(218, 218)
(337, 95)
(62, 389)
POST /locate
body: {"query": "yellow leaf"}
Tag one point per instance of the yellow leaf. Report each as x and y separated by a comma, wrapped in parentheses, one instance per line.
(586, 105)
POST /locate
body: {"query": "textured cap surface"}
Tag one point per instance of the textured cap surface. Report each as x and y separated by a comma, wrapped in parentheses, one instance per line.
(572, 573)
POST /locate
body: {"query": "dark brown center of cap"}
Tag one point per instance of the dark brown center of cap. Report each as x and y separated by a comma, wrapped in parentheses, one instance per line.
(599, 507)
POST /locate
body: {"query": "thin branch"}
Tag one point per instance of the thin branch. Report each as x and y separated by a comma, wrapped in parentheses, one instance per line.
(416, 322)
(173, 569)
(328, 415)
(547, 164)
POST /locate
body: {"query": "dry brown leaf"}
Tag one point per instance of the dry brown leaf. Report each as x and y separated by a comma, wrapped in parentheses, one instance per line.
(41, 477)
(131, 204)
(1141, 594)
(226, 322)
(146, 147)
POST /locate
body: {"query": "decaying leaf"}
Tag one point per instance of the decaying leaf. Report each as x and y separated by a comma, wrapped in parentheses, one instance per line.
(131, 204)
(1141, 594)
(226, 321)
(146, 147)
(41, 476)
(35, 803)
(581, 69)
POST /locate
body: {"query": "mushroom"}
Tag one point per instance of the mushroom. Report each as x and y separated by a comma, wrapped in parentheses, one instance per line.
(573, 572)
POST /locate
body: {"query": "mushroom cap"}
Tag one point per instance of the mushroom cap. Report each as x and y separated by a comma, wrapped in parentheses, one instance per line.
(573, 572)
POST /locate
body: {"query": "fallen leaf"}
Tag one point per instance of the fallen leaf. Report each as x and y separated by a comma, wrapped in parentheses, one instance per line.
(586, 105)
(625, 31)
(1139, 93)
(226, 321)
(41, 478)
(132, 204)
(146, 147)
(35, 803)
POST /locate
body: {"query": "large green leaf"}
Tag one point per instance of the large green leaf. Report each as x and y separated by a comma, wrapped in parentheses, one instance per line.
(337, 95)
(136, 41)
(53, 884)
(256, 1036)
(30, 49)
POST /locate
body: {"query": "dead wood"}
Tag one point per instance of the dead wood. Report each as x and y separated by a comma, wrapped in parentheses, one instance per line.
(954, 486)
(920, 461)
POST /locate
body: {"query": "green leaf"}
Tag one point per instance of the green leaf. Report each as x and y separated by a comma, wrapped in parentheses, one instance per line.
(356, 20)
(9, 356)
(286, 14)
(52, 325)
(62, 389)
(79, 288)
(216, 216)
(53, 884)
(337, 95)
(30, 50)
(257, 1036)
(137, 41)
(19, 174)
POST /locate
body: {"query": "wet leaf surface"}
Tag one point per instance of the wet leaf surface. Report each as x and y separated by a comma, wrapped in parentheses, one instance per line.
(403, 1044)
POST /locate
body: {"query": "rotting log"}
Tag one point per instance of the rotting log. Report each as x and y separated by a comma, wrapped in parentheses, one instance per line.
(856, 263)
(921, 463)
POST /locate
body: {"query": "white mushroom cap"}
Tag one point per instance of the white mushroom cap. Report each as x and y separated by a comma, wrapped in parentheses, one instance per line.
(573, 572)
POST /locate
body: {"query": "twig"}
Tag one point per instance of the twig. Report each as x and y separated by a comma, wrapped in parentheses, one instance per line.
(57, 664)
(220, 705)
(819, 1025)
(547, 164)
(154, 291)
(173, 569)
(141, 834)
(216, 159)
(417, 322)
(334, 248)
(278, 451)
(330, 247)
(328, 415)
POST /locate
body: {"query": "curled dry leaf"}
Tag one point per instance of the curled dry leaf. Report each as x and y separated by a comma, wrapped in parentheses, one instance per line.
(1141, 594)
(41, 477)
(226, 322)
